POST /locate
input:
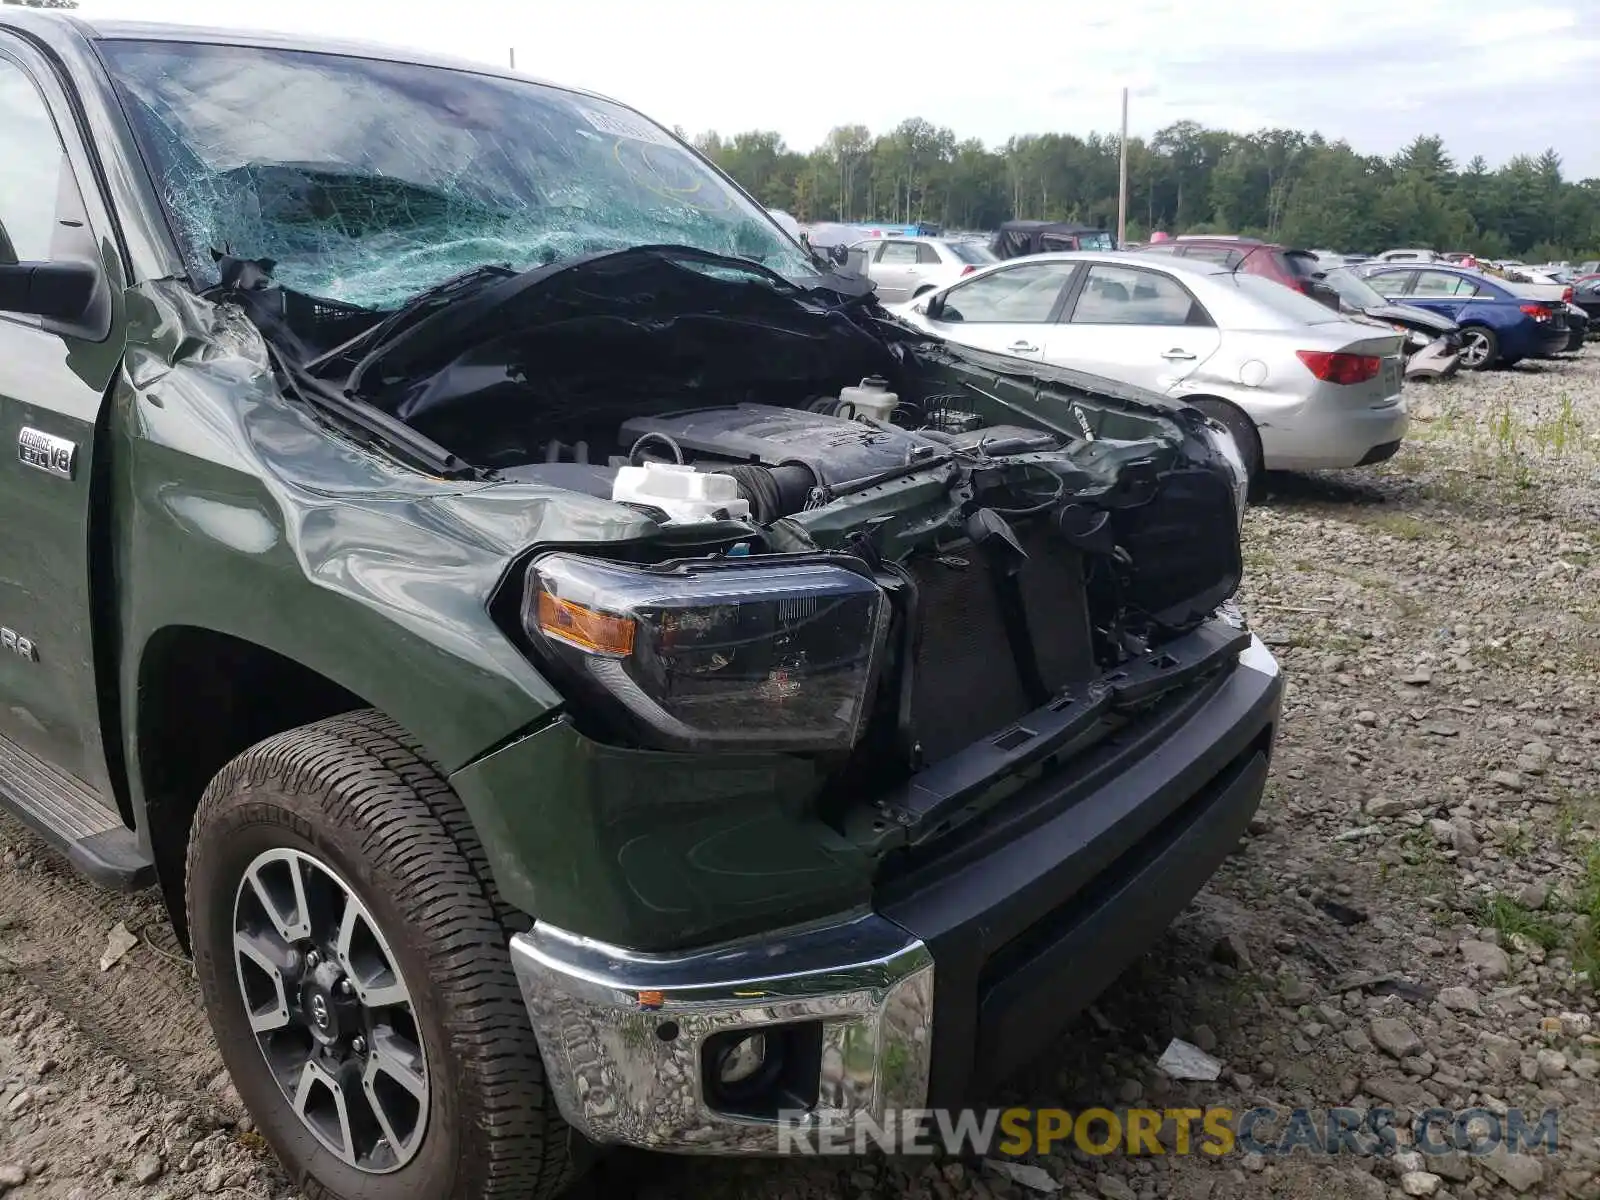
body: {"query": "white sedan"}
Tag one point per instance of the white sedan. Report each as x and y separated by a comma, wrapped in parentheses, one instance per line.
(903, 268)
(1299, 387)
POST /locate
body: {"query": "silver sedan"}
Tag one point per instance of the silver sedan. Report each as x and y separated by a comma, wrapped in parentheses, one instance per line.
(1299, 387)
(903, 268)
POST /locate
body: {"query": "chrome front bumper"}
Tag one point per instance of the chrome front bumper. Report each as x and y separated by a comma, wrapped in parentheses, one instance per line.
(622, 1033)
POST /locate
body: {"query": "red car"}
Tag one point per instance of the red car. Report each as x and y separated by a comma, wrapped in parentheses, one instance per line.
(1292, 268)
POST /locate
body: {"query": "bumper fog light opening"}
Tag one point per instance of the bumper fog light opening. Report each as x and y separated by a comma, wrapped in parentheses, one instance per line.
(738, 1060)
(756, 1073)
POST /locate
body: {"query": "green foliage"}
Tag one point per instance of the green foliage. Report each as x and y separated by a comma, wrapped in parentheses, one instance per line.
(1586, 948)
(1507, 917)
(1279, 183)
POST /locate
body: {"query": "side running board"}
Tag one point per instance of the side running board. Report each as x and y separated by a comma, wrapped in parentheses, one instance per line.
(71, 817)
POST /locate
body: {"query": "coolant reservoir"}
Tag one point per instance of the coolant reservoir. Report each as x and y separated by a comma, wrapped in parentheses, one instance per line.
(684, 494)
(871, 398)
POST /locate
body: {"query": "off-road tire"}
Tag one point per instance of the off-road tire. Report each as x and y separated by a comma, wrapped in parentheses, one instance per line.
(357, 793)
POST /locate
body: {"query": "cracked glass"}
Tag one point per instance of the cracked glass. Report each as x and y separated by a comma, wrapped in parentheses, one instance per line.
(366, 181)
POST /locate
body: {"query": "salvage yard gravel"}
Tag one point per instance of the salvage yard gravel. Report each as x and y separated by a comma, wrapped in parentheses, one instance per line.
(1412, 922)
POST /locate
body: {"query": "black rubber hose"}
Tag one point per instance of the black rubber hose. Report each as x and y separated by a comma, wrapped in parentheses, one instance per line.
(635, 459)
(773, 492)
(758, 487)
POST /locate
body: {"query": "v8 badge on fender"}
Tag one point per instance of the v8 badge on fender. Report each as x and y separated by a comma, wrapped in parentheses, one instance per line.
(47, 452)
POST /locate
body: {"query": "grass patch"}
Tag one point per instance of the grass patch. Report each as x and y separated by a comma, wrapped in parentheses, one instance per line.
(1586, 946)
(1507, 917)
(1574, 809)
(1425, 871)
(1492, 654)
(1517, 845)
(1403, 526)
(1409, 607)
(1341, 642)
(1256, 558)
(1503, 431)
(1460, 487)
(1560, 433)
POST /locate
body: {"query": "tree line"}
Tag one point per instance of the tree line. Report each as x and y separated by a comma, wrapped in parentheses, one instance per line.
(1281, 184)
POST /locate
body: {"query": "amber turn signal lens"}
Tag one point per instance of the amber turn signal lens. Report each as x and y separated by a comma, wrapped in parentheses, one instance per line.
(596, 632)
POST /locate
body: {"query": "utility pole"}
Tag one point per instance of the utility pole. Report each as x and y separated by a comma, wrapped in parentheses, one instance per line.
(514, 67)
(1122, 172)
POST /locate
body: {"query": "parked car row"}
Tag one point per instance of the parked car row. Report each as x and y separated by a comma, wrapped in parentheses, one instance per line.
(1501, 322)
(1433, 342)
(1299, 354)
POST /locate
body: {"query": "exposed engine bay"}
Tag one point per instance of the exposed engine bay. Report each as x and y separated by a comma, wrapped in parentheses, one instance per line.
(1017, 531)
(783, 460)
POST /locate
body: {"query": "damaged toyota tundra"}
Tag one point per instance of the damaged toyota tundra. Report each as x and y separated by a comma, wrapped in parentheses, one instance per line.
(579, 671)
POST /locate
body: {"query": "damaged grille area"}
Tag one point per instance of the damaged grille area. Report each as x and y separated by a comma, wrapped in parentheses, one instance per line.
(1057, 604)
(968, 684)
(1184, 552)
(965, 685)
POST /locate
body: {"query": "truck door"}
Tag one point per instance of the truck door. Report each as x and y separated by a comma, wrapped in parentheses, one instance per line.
(53, 375)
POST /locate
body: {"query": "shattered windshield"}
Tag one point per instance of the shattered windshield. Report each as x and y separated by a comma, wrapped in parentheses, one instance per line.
(366, 181)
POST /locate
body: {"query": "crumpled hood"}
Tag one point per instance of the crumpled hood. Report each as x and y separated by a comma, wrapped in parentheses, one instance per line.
(1412, 317)
(684, 322)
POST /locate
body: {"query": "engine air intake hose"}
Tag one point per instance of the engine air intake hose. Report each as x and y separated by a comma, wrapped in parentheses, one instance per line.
(773, 492)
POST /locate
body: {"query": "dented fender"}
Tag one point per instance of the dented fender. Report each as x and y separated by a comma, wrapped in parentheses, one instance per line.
(238, 511)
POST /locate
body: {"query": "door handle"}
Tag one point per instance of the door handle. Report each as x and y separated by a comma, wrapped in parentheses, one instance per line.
(1026, 347)
(1177, 354)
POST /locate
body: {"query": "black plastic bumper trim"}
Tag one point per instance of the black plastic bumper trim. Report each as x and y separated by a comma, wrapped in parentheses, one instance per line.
(930, 795)
(1380, 453)
(1027, 933)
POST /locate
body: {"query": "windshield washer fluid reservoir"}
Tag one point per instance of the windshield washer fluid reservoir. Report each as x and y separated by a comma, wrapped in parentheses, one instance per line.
(684, 494)
(871, 398)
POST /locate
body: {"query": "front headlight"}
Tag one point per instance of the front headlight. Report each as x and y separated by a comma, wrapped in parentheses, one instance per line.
(779, 653)
(1418, 339)
(1223, 443)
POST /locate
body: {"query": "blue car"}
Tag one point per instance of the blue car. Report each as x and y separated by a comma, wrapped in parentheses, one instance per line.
(1498, 325)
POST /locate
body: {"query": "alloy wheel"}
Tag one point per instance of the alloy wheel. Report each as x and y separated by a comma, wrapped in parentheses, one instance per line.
(330, 1010)
(1474, 349)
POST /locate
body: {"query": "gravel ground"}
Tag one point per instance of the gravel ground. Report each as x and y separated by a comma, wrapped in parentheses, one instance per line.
(1414, 920)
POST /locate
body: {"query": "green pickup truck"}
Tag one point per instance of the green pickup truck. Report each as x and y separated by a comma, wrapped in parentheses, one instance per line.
(578, 670)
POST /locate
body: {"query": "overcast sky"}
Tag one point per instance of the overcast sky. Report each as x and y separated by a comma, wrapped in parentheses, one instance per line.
(1494, 80)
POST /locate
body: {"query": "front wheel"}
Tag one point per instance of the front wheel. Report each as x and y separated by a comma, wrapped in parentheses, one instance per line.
(352, 956)
(1480, 349)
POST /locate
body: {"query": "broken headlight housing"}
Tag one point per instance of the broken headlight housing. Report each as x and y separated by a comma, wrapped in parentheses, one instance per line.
(1221, 440)
(771, 653)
